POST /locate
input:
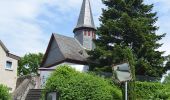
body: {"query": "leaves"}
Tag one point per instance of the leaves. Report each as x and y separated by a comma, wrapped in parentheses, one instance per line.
(128, 23)
(29, 64)
(167, 66)
(74, 85)
(152, 91)
(167, 79)
(4, 93)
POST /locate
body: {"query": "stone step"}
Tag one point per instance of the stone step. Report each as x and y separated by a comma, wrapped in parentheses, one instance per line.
(34, 94)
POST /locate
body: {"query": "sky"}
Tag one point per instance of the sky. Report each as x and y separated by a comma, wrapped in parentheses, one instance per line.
(27, 25)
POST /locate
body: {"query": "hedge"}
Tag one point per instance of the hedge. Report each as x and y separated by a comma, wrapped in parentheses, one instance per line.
(4, 93)
(152, 91)
(74, 85)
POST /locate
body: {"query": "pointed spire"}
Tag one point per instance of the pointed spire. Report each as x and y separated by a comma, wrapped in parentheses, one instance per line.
(85, 18)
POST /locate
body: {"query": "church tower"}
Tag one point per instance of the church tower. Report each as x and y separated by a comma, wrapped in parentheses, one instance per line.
(85, 30)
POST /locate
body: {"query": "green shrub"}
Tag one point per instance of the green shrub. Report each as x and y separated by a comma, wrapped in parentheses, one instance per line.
(4, 93)
(74, 85)
(164, 93)
(152, 91)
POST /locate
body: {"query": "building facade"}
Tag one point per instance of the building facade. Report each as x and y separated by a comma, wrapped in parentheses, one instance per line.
(8, 67)
(68, 50)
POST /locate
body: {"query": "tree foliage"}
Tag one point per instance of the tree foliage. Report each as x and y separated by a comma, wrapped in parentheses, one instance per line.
(152, 91)
(74, 85)
(167, 79)
(29, 64)
(167, 66)
(4, 93)
(128, 23)
(127, 56)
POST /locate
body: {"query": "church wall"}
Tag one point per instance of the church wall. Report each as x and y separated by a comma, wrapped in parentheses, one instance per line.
(79, 36)
(85, 38)
(44, 74)
(78, 67)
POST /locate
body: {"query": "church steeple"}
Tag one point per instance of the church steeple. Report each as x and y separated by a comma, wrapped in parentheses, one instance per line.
(85, 17)
(84, 31)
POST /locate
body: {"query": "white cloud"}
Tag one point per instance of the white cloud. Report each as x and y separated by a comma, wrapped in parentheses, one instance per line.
(21, 25)
(26, 25)
(18, 27)
(163, 9)
(162, 6)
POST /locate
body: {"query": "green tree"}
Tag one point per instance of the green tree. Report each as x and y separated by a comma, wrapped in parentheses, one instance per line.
(4, 93)
(167, 66)
(29, 64)
(127, 56)
(74, 85)
(128, 23)
(167, 79)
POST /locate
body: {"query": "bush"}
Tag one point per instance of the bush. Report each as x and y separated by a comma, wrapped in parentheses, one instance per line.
(164, 93)
(4, 93)
(152, 91)
(74, 85)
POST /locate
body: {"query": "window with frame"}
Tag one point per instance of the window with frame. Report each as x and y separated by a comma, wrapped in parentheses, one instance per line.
(8, 65)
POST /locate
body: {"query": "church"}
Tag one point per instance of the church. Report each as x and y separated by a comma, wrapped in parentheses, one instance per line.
(70, 50)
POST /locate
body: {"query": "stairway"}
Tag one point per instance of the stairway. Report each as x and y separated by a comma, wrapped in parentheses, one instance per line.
(34, 94)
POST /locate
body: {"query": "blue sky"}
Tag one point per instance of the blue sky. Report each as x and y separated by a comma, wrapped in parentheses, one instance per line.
(26, 25)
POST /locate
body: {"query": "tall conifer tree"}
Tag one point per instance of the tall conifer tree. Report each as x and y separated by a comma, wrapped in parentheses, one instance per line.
(167, 66)
(128, 23)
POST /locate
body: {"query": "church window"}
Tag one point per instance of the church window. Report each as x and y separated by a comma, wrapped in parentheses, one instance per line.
(84, 33)
(93, 34)
(88, 33)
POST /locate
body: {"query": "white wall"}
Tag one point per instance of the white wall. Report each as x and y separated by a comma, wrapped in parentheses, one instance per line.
(44, 74)
(78, 67)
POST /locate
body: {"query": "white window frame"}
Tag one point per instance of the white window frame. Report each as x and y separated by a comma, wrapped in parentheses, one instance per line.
(11, 69)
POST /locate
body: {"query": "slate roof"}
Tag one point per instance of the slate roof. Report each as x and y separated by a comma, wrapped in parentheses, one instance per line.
(3, 46)
(66, 49)
(8, 53)
(71, 48)
(85, 18)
